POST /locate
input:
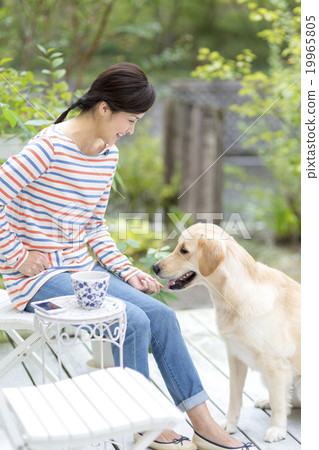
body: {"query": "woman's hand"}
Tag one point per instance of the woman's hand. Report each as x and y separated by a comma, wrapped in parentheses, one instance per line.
(145, 283)
(35, 263)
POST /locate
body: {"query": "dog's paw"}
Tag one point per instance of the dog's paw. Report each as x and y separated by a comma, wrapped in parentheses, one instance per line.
(230, 427)
(274, 434)
(262, 403)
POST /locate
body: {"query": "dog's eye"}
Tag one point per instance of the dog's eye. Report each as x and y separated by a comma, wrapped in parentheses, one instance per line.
(183, 251)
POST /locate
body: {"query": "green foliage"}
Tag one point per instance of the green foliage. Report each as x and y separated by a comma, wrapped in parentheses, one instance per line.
(125, 232)
(219, 67)
(160, 35)
(281, 215)
(141, 167)
(170, 56)
(275, 94)
(29, 101)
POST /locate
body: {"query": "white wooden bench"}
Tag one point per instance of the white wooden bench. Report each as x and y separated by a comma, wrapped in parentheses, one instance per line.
(12, 320)
(102, 405)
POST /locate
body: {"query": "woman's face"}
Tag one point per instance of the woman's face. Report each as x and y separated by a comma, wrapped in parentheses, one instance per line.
(115, 125)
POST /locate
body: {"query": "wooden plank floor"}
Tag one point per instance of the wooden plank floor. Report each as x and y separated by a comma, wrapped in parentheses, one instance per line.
(209, 355)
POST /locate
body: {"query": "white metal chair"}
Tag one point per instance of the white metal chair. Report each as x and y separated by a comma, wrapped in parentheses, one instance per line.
(12, 320)
(102, 405)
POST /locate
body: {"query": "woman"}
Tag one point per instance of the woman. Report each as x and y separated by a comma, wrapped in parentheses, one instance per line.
(56, 192)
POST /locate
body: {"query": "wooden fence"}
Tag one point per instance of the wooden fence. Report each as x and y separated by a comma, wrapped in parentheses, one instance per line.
(193, 146)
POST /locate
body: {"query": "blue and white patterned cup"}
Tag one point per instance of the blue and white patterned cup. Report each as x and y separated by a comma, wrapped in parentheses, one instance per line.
(90, 288)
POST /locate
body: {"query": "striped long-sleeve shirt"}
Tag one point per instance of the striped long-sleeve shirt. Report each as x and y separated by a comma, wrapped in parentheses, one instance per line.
(53, 199)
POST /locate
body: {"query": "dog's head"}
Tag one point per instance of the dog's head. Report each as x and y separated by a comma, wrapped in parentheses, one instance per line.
(200, 251)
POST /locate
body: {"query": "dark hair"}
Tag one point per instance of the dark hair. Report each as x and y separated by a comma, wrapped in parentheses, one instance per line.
(123, 86)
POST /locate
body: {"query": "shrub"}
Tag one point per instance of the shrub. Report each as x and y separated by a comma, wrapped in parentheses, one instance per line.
(142, 170)
(29, 101)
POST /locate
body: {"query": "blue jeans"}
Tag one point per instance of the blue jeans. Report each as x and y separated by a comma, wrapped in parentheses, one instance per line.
(150, 324)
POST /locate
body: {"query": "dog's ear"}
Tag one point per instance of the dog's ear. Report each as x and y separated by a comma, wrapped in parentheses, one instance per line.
(210, 255)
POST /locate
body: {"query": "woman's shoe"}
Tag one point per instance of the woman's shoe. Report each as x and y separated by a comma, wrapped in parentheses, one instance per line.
(204, 444)
(182, 443)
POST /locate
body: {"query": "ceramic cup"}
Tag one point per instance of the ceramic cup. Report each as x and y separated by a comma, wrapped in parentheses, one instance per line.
(90, 288)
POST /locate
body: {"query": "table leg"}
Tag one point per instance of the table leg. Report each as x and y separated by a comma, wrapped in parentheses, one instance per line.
(43, 361)
(101, 347)
(58, 330)
(122, 325)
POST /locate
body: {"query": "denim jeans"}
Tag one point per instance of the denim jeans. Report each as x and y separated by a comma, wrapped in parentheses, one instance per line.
(150, 324)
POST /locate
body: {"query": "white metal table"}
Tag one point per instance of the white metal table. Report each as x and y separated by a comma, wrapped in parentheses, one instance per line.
(105, 324)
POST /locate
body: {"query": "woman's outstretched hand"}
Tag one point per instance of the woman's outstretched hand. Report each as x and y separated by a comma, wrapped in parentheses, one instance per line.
(35, 263)
(145, 283)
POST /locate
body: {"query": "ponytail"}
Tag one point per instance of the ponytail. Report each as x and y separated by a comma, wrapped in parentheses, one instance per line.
(74, 105)
(123, 86)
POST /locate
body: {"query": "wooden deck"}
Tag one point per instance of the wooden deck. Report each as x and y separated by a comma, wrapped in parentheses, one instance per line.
(208, 352)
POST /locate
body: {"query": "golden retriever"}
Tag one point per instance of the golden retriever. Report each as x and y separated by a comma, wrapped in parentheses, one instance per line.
(257, 313)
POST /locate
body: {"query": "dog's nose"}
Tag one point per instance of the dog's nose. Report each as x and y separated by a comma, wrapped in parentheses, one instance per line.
(156, 269)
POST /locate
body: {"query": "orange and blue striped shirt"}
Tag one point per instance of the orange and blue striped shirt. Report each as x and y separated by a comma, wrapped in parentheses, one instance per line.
(53, 199)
